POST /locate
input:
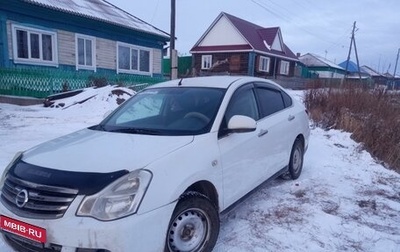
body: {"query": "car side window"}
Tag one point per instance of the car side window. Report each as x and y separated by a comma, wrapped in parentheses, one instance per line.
(287, 99)
(270, 100)
(243, 102)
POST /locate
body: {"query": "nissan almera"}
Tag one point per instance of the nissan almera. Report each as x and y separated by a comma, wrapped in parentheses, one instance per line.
(157, 172)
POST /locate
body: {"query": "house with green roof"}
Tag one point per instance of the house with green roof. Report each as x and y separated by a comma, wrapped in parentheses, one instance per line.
(66, 44)
(321, 67)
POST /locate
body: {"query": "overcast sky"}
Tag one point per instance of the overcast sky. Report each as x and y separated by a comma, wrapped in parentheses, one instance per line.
(316, 26)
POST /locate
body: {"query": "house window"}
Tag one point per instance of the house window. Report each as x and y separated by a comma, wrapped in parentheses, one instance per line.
(133, 59)
(34, 46)
(284, 67)
(263, 65)
(85, 52)
(206, 61)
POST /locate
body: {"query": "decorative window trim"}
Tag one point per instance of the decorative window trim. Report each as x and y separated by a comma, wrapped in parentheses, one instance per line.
(29, 59)
(284, 69)
(262, 66)
(85, 66)
(139, 49)
(206, 62)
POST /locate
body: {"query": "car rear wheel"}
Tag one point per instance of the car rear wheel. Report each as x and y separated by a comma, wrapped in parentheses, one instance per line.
(296, 159)
(194, 225)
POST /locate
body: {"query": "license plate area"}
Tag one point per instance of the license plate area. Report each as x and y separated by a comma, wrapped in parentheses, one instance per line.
(21, 242)
(24, 230)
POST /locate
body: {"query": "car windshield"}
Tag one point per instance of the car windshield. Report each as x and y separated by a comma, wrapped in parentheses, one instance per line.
(166, 111)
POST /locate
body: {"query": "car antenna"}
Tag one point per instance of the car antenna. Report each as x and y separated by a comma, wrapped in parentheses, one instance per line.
(180, 82)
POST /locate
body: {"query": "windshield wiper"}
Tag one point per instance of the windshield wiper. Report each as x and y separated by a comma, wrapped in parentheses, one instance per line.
(99, 127)
(136, 131)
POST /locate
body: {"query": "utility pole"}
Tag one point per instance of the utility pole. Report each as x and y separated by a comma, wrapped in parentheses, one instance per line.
(353, 41)
(348, 55)
(173, 53)
(395, 67)
(355, 50)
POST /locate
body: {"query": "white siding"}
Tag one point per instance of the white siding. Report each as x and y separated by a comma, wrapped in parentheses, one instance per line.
(230, 35)
(276, 45)
(66, 48)
(157, 61)
(106, 55)
(9, 40)
(328, 74)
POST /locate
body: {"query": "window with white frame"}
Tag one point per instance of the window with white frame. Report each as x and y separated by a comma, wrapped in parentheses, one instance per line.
(284, 67)
(133, 59)
(34, 46)
(206, 61)
(263, 65)
(85, 52)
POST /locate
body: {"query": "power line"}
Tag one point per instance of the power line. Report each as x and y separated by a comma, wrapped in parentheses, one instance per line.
(155, 11)
(337, 44)
(270, 11)
(284, 17)
(314, 6)
(283, 8)
(299, 3)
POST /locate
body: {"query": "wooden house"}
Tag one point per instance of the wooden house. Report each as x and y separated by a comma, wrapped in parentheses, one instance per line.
(378, 78)
(321, 67)
(238, 47)
(75, 36)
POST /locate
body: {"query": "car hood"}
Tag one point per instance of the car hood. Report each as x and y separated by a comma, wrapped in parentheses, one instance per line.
(98, 151)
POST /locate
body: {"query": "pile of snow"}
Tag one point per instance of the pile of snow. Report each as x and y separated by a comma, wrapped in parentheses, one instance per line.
(343, 201)
(94, 95)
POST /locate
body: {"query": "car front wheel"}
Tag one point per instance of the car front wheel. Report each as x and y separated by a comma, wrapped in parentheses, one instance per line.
(194, 225)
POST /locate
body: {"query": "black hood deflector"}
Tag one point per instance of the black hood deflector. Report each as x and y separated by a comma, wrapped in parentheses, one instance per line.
(87, 183)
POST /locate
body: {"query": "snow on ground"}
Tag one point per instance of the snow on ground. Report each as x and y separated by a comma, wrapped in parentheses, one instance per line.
(343, 201)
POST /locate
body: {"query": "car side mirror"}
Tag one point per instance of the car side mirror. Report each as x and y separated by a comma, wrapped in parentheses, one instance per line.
(240, 123)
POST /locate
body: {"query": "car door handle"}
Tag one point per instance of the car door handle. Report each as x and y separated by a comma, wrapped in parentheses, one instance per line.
(262, 133)
(291, 117)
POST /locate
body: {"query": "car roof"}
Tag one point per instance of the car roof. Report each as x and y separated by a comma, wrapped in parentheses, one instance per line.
(209, 81)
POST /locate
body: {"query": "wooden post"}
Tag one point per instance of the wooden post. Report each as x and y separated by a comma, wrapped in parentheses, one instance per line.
(395, 68)
(173, 53)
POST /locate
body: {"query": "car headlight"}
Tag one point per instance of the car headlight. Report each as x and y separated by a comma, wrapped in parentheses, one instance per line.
(119, 199)
(16, 158)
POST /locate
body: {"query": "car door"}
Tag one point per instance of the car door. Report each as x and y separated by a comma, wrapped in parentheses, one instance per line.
(277, 121)
(243, 161)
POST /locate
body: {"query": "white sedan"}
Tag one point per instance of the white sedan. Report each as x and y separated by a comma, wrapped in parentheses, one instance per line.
(157, 172)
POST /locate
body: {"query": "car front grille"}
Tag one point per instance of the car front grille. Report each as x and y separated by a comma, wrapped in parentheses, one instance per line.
(43, 201)
(21, 244)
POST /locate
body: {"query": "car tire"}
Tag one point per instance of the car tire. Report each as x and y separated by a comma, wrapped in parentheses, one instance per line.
(296, 160)
(194, 224)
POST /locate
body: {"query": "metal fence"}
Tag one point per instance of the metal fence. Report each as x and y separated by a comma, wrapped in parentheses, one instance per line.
(41, 82)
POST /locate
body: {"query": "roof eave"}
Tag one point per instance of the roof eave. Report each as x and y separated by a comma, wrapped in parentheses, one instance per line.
(276, 55)
(245, 51)
(220, 51)
(166, 37)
